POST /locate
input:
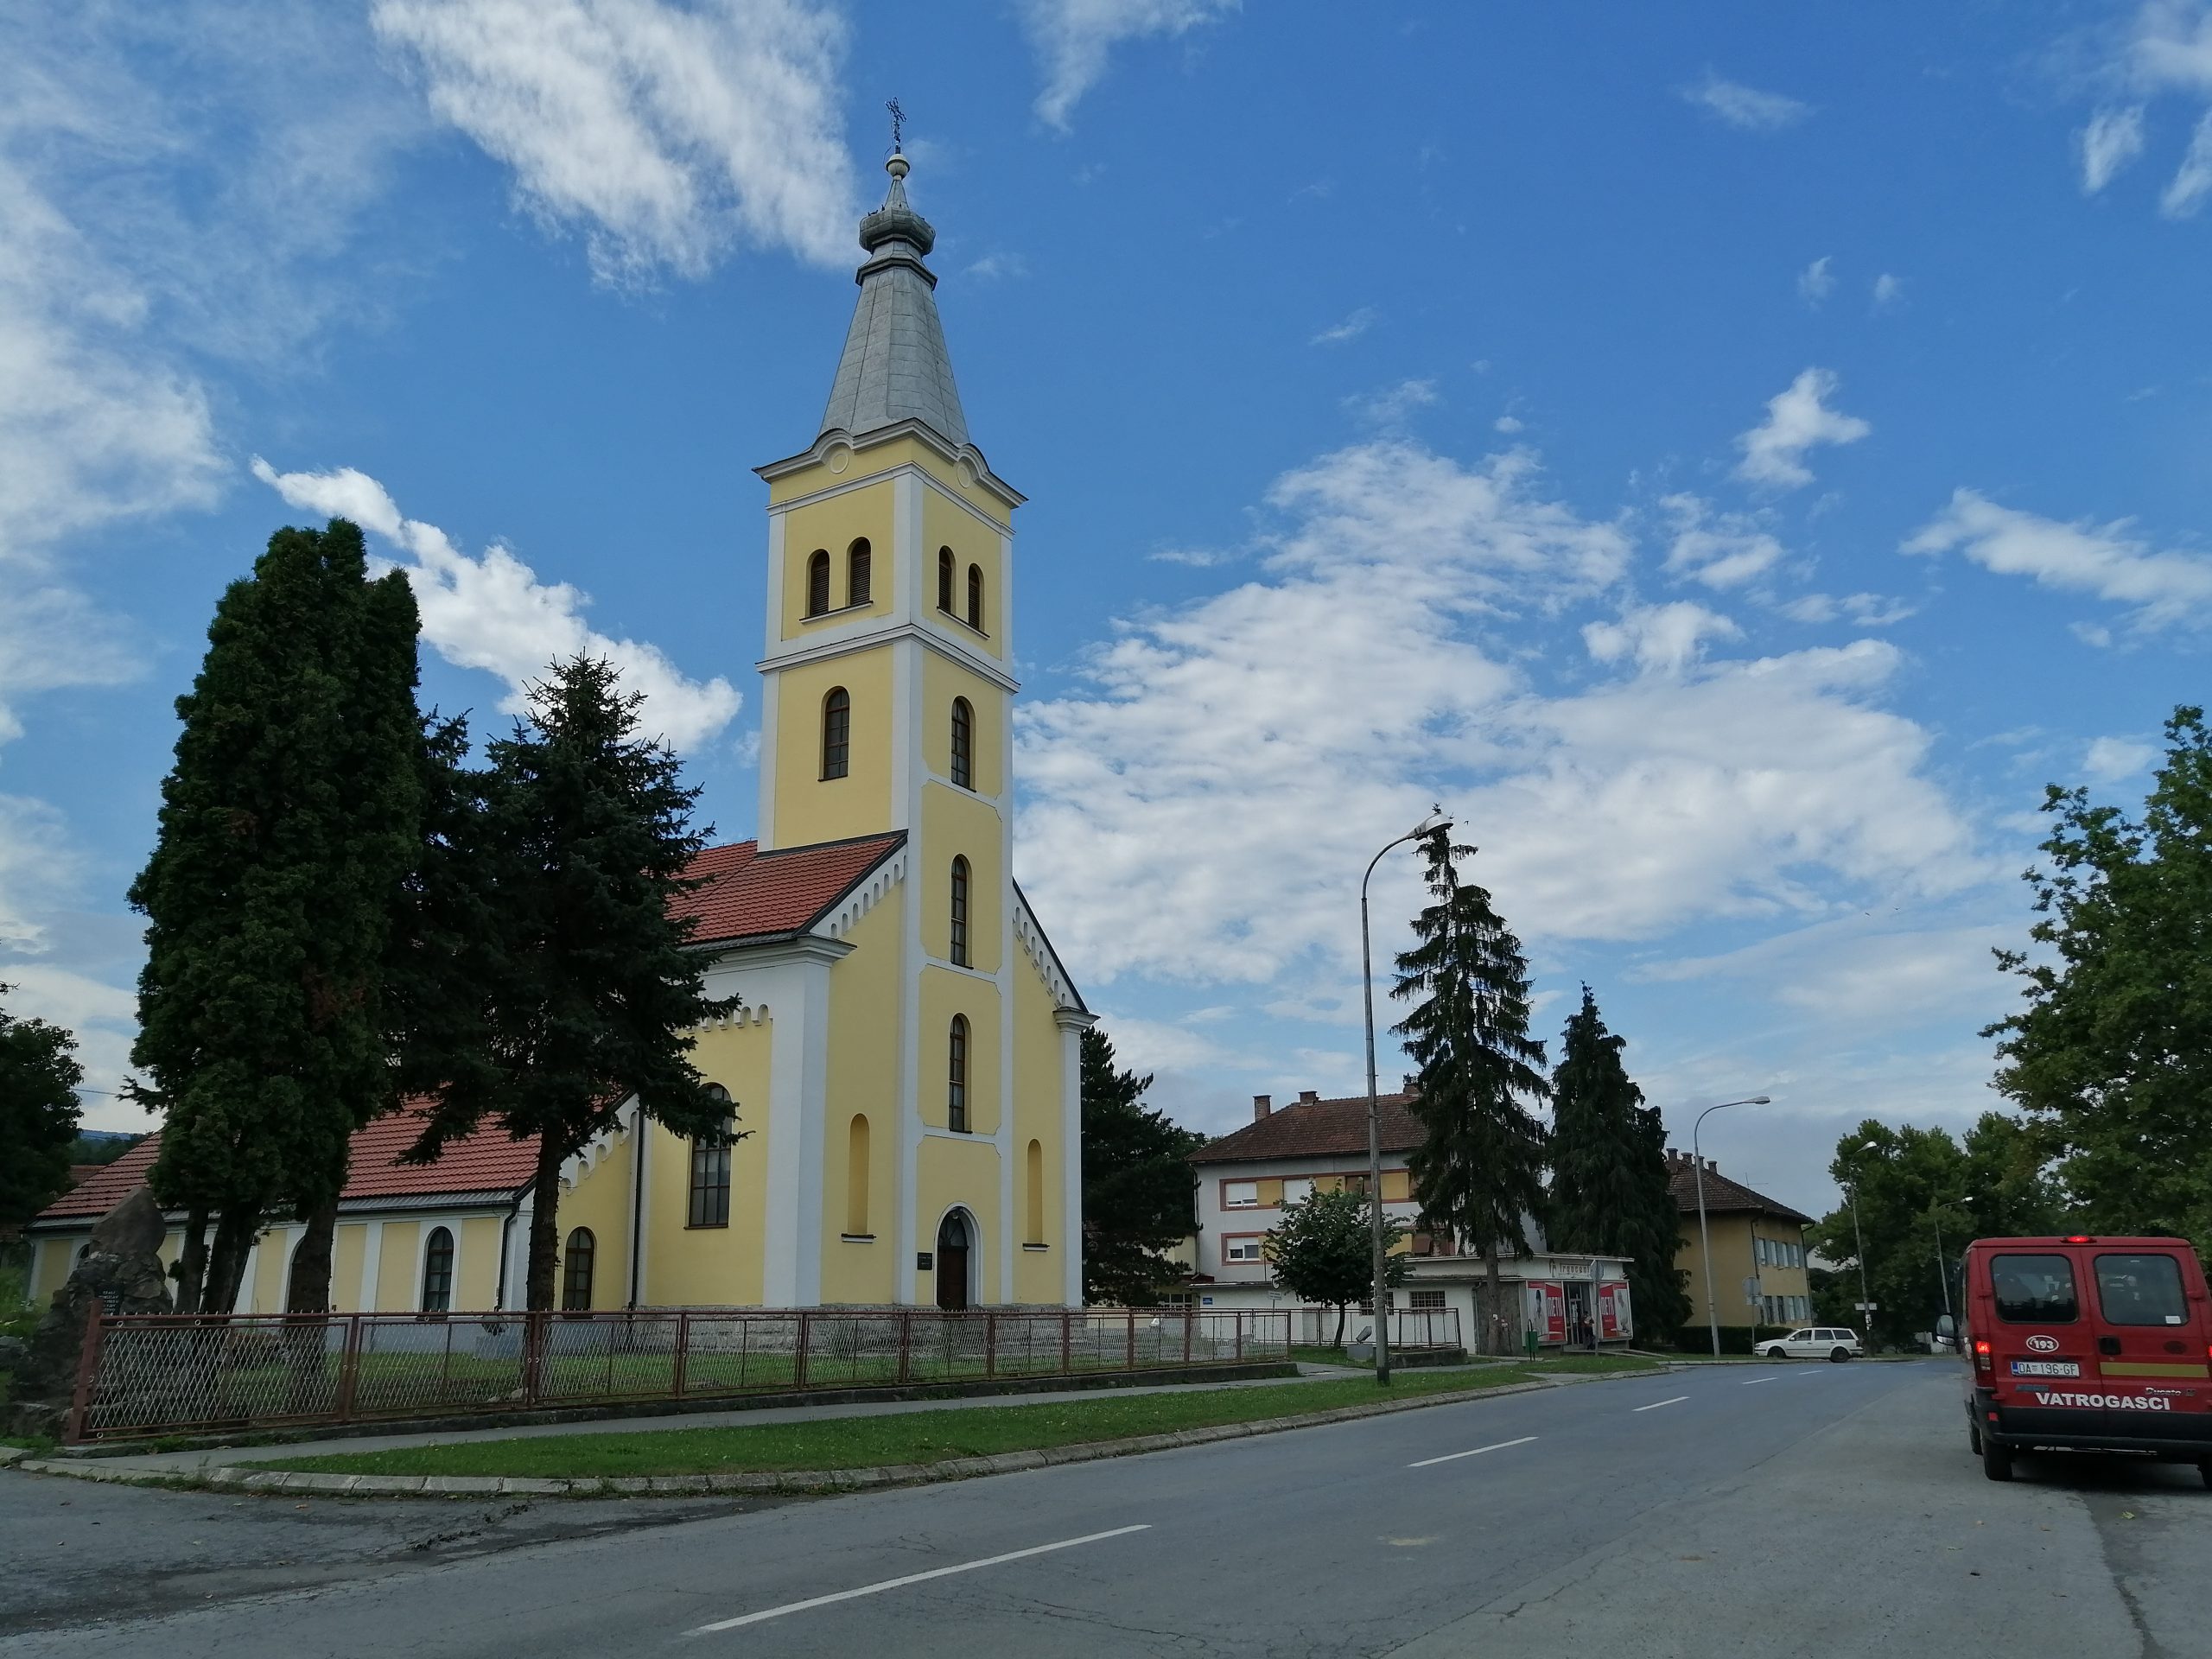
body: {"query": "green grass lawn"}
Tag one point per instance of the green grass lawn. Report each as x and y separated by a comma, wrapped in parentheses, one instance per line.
(921, 1437)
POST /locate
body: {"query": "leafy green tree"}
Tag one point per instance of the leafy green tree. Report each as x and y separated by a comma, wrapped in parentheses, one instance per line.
(589, 990)
(1480, 1168)
(1137, 1184)
(92, 1146)
(2112, 1056)
(1323, 1251)
(1609, 1190)
(289, 823)
(39, 1075)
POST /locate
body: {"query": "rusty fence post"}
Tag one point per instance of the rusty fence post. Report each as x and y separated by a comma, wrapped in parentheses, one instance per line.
(1129, 1356)
(88, 1360)
(349, 1368)
(1239, 1317)
(682, 1363)
(906, 1347)
(991, 1343)
(800, 1358)
(1190, 1317)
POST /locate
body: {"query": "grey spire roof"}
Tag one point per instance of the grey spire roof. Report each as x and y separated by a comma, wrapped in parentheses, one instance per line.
(894, 367)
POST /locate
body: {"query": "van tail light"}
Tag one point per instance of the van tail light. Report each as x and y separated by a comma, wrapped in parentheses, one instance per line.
(1981, 1354)
(2079, 1238)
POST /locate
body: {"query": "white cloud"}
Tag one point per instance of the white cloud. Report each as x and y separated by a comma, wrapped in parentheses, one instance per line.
(1861, 610)
(1350, 329)
(2113, 138)
(492, 613)
(1744, 107)
(1815, 282)
(997, 267)
(2110, 758)
(1864, 969)
(1273, 734)
(2165, 588)
(669, 134)
(1389, 409)
(2172, 46)
(1075, 38)
(1721, 550)
(1888, 290)
(1796, 420)
(1508, 424)
(2192, 180)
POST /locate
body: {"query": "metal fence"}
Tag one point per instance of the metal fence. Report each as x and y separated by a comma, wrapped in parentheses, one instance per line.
(1410, 1327)
(167, 1374)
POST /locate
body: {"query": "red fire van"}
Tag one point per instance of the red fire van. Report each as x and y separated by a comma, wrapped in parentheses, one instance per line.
(2088, 1343)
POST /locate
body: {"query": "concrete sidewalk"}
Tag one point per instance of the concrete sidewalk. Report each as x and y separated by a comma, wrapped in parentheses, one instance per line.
(203, 1458)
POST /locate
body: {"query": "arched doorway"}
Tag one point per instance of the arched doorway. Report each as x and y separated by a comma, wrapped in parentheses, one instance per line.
(954, 1240)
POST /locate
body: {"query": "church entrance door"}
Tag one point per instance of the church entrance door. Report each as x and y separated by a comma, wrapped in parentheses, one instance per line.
(952, 1244)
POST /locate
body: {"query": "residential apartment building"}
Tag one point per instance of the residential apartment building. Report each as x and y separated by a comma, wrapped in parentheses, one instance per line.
(1759, 1250)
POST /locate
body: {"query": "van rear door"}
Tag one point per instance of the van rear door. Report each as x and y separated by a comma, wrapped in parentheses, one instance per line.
(2041, 1336)
(2150, 1329)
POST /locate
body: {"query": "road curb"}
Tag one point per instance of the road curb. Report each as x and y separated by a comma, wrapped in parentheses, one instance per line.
(246, 1477)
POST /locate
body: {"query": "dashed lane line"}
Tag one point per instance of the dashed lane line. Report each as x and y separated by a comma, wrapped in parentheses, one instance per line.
(1656, 1404)
(1453, 1457)
(1749, 1381)
(812, 1602)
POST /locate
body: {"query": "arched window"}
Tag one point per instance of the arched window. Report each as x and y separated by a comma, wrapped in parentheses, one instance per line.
(857, 560)
(437, 1272)
(963, 743)
(817, 582)
(960, 913)
(956, 1092)
(1035, 1207)
(976, 597)
(710, 1168)
(947, 568)
(575, 1271)
(836, 734)
(856, 1177)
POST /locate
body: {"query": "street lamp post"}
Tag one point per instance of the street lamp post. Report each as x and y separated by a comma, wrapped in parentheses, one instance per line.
(1704, 1233)
(1858, 1233)
(1428, 826)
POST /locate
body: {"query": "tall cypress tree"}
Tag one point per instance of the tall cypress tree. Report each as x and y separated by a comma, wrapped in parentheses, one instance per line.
(1609, 1191)
(288, 823)
(590, 990)
(1480, 1168)
(39, 1075)
(1137, 1182)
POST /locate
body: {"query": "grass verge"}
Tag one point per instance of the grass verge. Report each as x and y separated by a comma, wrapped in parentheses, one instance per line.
(905, 1437)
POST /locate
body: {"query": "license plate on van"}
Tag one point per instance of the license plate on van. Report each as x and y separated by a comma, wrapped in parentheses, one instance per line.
(2046, 1368)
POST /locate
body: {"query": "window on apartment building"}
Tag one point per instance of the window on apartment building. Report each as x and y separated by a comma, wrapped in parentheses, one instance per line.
(577, 1263)
(1424, 1299)
(1240, 1195)
(710, 1170)
(1241, 1249)
(1297, 1191)
(437, 1271)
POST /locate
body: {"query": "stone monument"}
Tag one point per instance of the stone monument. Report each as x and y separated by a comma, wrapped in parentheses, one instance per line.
(121, 1272)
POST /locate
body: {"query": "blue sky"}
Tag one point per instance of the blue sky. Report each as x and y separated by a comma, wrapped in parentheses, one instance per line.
(1731, 457)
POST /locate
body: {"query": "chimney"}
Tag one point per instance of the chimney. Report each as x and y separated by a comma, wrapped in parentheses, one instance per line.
(1261, 1105)
(1411, 1084)
(1306, 1097)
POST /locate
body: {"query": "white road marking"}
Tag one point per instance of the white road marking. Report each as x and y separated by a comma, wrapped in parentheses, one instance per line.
(1656, 1404)
(1749, 1381)
(912, 1578)
(1453, 1457)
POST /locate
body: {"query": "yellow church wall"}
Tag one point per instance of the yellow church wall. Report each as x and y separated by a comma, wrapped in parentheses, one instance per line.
(477, 1282)
(51, 1268)
(943, 681)
(833, 526)
(266, 1293)
(863, 1080)
(809, 807)
(955, 825)
(713, 1267)
(397, 1291)
(953, 1170)
(879, 459)
(945, 525)
(945, 992)
(1040, 1275)
(349, 1246)
(600, 1201)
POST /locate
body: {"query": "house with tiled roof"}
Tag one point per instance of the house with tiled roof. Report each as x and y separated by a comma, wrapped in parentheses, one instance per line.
(1759, 1250)
(1248, 1178)
(900, 1060)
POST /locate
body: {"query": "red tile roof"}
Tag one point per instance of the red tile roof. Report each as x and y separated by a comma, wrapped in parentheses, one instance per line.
(1722, 1195)
(1317, 1128)
(751, 894)
(487, 1161)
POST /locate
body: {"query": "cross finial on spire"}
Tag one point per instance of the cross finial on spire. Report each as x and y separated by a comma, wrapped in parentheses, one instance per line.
(898, 123)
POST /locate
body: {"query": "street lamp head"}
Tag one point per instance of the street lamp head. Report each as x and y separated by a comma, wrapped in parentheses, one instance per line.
(1436, 820)
(1760, 1100)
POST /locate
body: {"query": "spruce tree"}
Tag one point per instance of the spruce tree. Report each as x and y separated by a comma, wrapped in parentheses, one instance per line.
(288, 823)
(589, 990)
(1609, 1192)
(39, 1075)
(1137, 1182)
(1480, 1168)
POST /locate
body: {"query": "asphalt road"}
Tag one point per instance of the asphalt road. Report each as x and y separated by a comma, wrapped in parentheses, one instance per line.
(1790, 1510)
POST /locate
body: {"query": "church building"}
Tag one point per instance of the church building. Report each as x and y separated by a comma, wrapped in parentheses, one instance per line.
(903, 1069)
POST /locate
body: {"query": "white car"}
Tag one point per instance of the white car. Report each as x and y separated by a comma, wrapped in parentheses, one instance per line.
(1816, 1342)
